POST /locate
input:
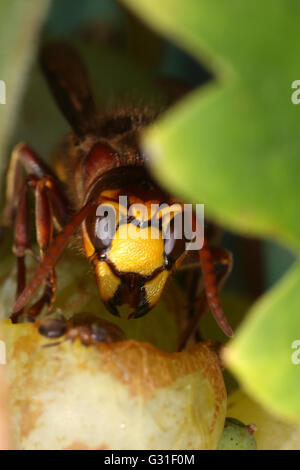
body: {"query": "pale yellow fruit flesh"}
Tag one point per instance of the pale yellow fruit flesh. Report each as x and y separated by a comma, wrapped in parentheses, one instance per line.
(127, 395)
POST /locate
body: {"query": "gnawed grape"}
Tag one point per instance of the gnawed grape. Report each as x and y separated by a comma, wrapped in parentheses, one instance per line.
(237, 436)
(119, 395)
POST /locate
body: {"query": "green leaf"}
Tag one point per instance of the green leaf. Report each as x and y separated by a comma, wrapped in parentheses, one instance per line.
(19, 27)
(264, 354)
(234, 144)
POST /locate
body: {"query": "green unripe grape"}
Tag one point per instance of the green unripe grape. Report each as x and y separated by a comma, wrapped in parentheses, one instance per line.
(237, 436)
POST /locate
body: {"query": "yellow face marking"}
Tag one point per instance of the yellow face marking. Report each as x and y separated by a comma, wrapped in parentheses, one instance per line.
(154, 288)
(137, 250)
(118, 208)
(139, 211)
(168, 213)
(142, 210)
(107, 282)
(111, 193)
(88, 246)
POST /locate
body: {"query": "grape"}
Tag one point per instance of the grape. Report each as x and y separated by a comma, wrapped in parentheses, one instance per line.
(272, 432)
(237, 436)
